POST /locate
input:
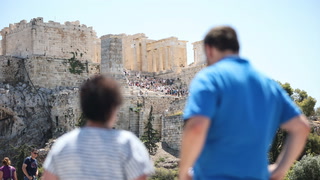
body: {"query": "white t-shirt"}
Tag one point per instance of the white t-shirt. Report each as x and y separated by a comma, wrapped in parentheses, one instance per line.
(98, 153)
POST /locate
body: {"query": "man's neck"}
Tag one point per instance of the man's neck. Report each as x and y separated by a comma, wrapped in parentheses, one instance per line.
(219, 55)
(97, 124)
(229, 53)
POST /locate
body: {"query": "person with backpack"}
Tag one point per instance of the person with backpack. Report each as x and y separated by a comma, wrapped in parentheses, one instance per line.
(7, 172)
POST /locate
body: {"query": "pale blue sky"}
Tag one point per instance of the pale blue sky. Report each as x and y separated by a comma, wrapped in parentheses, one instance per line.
(280, 37)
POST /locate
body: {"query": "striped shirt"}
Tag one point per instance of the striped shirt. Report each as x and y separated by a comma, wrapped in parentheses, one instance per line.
(97, 153)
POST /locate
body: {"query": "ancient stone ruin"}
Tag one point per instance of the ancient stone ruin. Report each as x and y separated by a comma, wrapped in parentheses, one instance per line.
(42, 65)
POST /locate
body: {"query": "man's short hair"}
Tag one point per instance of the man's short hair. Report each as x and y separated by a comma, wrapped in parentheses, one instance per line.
(99, 97)
(34, 150)
(223, 38)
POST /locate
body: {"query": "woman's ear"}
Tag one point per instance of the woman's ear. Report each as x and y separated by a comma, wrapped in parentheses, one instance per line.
(113, 118)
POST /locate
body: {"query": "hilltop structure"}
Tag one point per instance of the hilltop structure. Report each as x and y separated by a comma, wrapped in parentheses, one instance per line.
(141, 54)
(52, 39)
(43, 64)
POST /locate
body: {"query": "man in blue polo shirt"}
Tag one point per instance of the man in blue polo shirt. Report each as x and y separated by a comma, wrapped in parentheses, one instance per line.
(232, 115)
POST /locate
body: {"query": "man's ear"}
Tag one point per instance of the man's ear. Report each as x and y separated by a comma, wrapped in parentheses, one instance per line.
(209, 51)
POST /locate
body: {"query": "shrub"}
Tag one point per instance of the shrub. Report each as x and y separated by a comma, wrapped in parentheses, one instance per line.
(308, 168)
(164, 174)
(313, 145)
(76, 67)
(162, 159)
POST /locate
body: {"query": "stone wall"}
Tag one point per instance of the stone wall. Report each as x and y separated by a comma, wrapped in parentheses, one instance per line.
(172, 131)
(65, 110)
(51, 39)
(12, 70)
(176, 106)
(129, 115)
(43, 71)
(135, 111)
(172, 124)
(50, 73)
(17, 39)
(160, 104)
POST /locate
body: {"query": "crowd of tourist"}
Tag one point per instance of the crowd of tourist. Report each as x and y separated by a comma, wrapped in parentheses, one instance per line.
(165, 86)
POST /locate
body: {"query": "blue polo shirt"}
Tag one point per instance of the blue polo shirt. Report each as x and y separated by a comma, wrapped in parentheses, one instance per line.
(245, 109)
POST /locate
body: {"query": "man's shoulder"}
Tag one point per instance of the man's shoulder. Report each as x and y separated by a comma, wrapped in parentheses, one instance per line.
(27, 160)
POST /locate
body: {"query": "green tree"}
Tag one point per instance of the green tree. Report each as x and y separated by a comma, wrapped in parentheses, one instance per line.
(150, 136)
(301, 98)
(286, 86)
(299, 95)
(307, 105)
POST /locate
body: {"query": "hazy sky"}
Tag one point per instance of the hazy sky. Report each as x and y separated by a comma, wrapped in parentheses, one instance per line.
(281, 38)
